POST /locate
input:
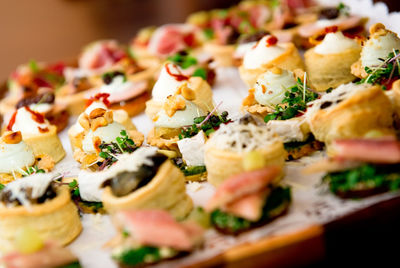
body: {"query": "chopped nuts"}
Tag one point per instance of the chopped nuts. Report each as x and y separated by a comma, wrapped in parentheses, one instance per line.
(98, 122)
(377, 28)
(97, 113)
(173, 104)
(249, 100)
(45, 162)
(96, 143)
(276, 70)
(83, 120)
(12, 137)
(187, 93)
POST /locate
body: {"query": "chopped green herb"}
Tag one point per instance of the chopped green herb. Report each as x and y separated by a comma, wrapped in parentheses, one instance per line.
(200, 72)
(295, 102)
(33, 65)
(365, 177)
(33, 170)
(183, 60)
(343, 9)
(125, 233)
(109, 151)
(208, 33)
(388, 70)
(210, 125)
(139, 255)
(2, 186)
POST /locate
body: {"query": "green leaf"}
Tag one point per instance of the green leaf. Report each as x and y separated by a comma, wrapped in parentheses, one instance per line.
(200, 72)
(73, 184)
(33, 65)
(188, 61)
(139, 255)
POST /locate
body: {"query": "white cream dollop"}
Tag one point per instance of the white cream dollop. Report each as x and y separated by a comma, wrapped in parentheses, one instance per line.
(334, 43)
(262, 53)
(181, 118)
(289, 130)
(192, 149)
(270, 87)
(14, 157)
(106, 134)
(118, 85)
(41, 107)
(167, 84)
(377, 48)
(90, 182)
(25, 123)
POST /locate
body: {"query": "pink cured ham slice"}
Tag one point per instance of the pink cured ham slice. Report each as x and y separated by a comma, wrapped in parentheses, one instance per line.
(158, 228)
(385, 151)
(259, 15)
(241, 185)
(314, 29)
(248, 207)
(48, 257)
(135, 90)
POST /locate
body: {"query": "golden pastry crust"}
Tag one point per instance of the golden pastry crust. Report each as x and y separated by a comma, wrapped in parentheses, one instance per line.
(57, 220)
(46, 143)
(330, 70)
(162, 143)
(203, 97)
(167, 190)
(290, 60)
(370, 109)
(222, 164)
(223, 54)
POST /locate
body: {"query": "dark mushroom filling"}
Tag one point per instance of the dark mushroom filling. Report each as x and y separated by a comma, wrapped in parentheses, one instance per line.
(7, 198)
(127, 182)
(47, 97)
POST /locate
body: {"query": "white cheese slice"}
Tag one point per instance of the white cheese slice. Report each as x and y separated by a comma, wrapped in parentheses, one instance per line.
(288, 130)
(192, 149)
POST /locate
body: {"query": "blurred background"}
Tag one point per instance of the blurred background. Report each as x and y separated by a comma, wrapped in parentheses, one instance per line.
(51, 30)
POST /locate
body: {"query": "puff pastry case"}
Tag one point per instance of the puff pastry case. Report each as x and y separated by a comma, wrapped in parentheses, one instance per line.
(237, 132)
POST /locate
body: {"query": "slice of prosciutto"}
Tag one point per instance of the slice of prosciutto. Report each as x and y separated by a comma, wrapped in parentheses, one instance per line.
(248, 207)
(158, 228)
(50, 256)
(241, 185)
(381, 151)
(343, 23)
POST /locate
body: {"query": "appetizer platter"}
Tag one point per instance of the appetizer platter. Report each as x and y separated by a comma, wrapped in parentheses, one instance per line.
(237, 132)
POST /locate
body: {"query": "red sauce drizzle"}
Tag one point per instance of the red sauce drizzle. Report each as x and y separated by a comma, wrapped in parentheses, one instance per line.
(38, 117)
(271, 41)
(331, 29)
(178, 77)
(12, 121)
(103, 97)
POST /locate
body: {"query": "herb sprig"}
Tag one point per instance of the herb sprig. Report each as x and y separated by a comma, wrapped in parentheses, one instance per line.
(2, 186)
(208, 124)
(295, 102)
(343, 9)
(184, 60)
(109, 151)
(384, 72)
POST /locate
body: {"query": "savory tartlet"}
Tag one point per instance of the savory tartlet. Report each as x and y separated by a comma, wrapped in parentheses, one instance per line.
(147, 237)
(267, 53)
(143, 179)
(328, 64)
(350, 111)
(97, 127)
(248, 200)
(227, 147)
(17, 158)
(358, 168)
(172, 81)
(37, 132)
(37, 202)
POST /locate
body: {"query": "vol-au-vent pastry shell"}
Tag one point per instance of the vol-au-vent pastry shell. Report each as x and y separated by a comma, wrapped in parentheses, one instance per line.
(225, 150)
(56, 219)
(222, 54)
(350, 111)
(288, 59)
(166, 190)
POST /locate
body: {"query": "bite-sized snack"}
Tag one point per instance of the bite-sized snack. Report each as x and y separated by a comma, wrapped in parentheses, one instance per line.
(378, 59)
(99, 129)
(328, 64)
(361, 167)
(281, 100)
(144, 179)
(172, 81)
(227, 147)
(17, 158)
(350, 111)
(340, 17)
(267, 53)
(247, 200)
(37, 132)
(39, 203)
(32, 252)
(195, 64)
(97, 59)
(29, 81)
(147, 237)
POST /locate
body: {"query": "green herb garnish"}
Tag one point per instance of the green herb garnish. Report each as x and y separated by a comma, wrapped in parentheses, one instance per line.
(183, 60)
(365, 177)
(208, 124)
(200, 72)
(388, 70)
(295, 102)
(208, 33)
(109, 77)
(139, 255)
(34, 66)
(32, 170)
(2, 186)
(73, 187)
(343, 9)
(109, 151)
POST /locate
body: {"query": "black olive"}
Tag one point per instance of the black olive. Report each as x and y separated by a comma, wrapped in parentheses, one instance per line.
(326, 104)
(329, 13)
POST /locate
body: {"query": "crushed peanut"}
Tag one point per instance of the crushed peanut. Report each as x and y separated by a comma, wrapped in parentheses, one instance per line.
(249, 100)
(12, 137)
(45, 162)
(187, 93)
(173, 104)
